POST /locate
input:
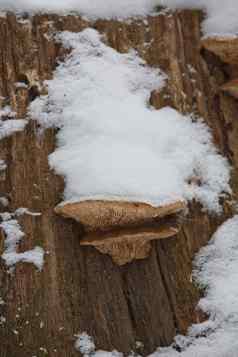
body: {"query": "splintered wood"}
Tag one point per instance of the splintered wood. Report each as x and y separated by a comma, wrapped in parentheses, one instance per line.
(124, 230)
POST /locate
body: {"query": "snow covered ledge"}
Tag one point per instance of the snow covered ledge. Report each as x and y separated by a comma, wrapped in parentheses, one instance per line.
(124, 230)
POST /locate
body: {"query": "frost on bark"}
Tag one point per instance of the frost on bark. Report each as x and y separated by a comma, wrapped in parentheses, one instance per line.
(81, 289)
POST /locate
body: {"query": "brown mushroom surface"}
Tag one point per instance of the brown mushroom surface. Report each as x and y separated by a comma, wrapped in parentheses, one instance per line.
(124, 229)
(231, 88)
(226, 48)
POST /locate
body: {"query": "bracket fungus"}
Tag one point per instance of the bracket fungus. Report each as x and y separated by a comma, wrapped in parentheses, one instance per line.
(231, 88)
(226, 48)
(121, 229)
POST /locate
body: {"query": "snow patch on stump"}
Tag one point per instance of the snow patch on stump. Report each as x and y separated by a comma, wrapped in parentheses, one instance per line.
(112, 145)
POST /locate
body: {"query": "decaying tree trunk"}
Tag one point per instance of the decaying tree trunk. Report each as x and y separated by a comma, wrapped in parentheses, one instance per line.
(81, 289)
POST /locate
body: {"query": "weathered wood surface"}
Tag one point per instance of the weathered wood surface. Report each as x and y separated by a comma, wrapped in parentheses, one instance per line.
(81, 289)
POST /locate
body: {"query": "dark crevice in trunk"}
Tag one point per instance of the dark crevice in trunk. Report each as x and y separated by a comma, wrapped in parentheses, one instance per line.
(166, 285)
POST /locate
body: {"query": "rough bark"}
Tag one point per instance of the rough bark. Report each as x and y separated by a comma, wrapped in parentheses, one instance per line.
(79, 288)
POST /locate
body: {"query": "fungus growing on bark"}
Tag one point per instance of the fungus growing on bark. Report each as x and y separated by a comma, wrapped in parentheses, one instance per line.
(124, 230)
(231, 88)
(226, 48)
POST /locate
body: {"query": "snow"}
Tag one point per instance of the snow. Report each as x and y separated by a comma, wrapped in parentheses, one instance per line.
(34, 256)
(112, 145)
(6, 112)
(9, 125)
(4, 201)
(85, 345)
(3, 165)
(14, 235)
(92, 9)
(221, 15)
(22, 211)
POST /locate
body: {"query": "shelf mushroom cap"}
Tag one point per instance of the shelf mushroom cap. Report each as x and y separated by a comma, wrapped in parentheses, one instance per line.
(124, 229)
(231, 88)
(104, 216)
(226, 48)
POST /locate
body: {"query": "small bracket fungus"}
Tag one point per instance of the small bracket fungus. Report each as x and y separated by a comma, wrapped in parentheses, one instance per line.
(231, 88)
(124, 230)
(226, 48)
